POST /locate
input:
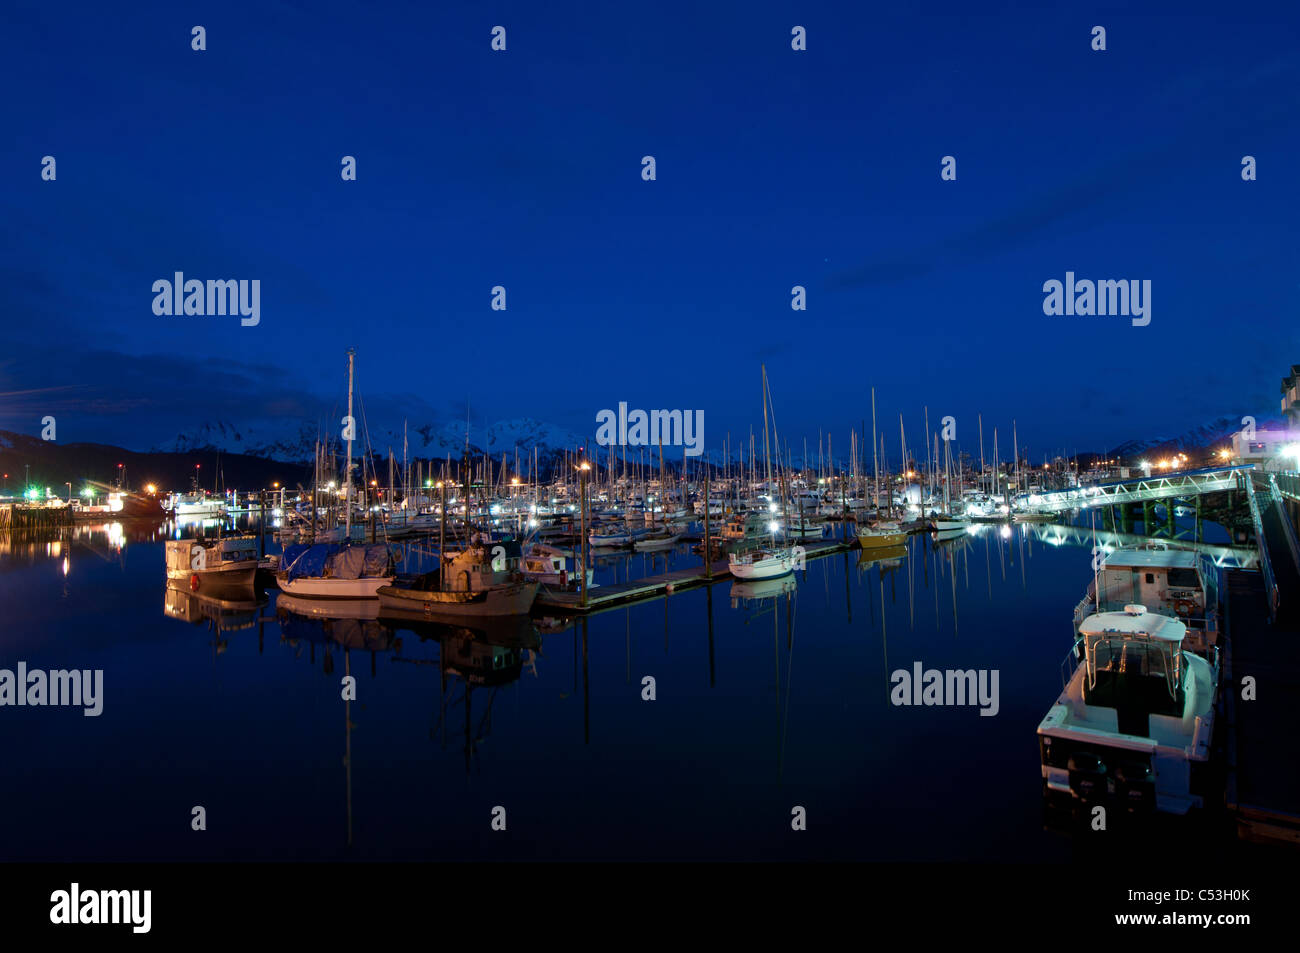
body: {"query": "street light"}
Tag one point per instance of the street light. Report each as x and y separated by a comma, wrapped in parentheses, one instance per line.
(583, 468)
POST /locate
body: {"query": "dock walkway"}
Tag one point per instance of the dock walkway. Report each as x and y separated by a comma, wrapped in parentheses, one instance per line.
(622, 593)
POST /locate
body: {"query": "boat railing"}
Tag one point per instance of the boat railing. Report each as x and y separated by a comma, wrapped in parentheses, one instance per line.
(1070, 664)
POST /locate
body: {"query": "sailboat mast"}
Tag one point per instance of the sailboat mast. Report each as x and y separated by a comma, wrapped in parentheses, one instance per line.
(351, 427)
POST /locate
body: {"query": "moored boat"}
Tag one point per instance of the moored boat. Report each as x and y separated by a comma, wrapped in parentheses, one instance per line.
(881, 535)
(335, 571)
(1132, 727)
(228, 561)
(482, 580)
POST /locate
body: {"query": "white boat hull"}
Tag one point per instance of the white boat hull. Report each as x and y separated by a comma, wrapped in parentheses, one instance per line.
(314, 588)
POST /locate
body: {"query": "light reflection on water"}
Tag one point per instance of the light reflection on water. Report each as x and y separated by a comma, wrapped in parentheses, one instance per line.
(767, 695)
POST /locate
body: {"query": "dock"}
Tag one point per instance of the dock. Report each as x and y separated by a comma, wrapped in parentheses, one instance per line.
(651, 587)
(1263, 623)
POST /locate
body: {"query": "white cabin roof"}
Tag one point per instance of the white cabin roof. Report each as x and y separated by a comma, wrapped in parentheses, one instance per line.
(1151, 559)
(1158, 627)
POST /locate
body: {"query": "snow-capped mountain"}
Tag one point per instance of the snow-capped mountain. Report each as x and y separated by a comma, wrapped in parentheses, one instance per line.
(1207, 436)
(289, 445)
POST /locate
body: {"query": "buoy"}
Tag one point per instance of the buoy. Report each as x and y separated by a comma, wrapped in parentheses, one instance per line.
(194, 582)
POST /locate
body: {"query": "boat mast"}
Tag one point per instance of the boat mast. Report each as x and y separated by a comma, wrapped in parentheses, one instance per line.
(347, 517)
(875, 460)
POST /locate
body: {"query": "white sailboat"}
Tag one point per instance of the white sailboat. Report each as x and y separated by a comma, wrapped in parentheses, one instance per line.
(770, 561)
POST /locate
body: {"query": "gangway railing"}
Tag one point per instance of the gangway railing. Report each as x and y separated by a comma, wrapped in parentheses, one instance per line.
(1288, 531)
(1265, 563)
(1135, 490)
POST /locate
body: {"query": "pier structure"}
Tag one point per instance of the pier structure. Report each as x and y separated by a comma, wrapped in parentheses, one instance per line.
(1261, 678)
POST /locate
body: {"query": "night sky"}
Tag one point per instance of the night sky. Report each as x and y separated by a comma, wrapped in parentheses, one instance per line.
(522, 168)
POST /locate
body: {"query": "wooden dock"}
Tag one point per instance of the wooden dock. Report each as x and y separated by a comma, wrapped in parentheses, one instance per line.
(21, 516)
(651, 587)
(1263, 782)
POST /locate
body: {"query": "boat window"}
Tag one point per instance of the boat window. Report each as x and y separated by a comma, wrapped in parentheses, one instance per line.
(1151, 577)
(1184, 578)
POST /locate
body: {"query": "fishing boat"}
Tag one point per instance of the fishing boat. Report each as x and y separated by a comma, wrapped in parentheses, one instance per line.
(1133, 725)
(196, 503)
(229, 561)
(335, 570)
(482, 580)
(881, 535)
(549, 566)
(1179, 583)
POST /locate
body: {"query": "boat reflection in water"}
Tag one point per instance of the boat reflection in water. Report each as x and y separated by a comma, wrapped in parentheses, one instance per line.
(227, 609)
(484, 653)
(888, 558)
(349, 623)
(747, 592)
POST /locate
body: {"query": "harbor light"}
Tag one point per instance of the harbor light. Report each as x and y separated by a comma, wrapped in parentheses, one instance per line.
(151, 489)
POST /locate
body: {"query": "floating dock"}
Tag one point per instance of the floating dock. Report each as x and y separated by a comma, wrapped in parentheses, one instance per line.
(650, 587)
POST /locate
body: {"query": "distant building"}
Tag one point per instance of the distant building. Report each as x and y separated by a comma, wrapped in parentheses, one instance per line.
(1269, 449)
(1290, 402)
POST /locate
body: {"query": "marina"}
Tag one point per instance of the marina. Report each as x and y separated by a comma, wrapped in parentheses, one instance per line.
(654, 437)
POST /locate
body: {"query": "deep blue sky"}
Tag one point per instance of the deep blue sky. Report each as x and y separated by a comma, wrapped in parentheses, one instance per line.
(522, 168)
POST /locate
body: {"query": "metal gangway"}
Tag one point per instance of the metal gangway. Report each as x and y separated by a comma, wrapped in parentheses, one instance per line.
(1187, 483)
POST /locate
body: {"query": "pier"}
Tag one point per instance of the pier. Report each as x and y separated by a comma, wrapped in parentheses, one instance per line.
(22, 516)
(1262, 617)
(651, 587)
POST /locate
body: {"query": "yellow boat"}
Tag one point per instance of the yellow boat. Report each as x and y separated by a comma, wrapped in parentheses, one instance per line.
(881, 535)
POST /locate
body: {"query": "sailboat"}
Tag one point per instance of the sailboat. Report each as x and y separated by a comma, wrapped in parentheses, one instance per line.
(338, 570)
(946, 520)
(770, 561)
(881, 534)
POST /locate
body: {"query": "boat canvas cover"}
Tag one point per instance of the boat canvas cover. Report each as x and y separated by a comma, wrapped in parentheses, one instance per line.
(342, 562)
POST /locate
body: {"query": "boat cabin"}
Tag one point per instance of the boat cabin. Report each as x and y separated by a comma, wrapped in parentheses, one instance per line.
(1181, 584)
(482, 565)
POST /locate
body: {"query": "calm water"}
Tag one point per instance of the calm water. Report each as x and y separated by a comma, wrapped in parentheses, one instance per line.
(763, 703)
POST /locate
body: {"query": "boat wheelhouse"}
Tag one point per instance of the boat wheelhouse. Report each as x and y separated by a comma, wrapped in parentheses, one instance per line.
(1179, 583)
(1133, 725)
(229, 561)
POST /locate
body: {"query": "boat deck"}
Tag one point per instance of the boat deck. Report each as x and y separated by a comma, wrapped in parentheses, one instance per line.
(650, 587)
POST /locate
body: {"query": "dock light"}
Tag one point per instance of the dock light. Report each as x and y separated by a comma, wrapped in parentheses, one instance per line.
(151, 489)
(1293, 452)
(275, 486)
(773, 527)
